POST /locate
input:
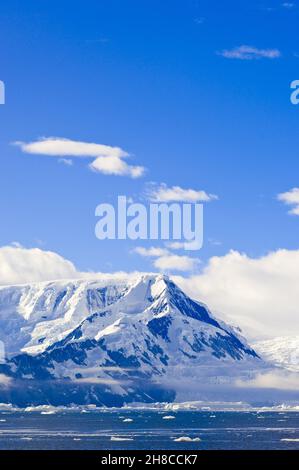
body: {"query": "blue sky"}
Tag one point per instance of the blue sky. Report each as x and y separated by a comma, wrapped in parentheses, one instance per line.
(149, 77)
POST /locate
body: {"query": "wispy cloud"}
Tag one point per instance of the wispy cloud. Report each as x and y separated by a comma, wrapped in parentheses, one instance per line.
(150, 252)
(66, 161)
(291, 198)
(107, 160)
(162, 193)
(102, 381)
(5, 381)
(279, 380)
(101, 40)
(288, 5)
(166, 261)
(170, 262)
(183, 245)
(200, 20)
(250, 53)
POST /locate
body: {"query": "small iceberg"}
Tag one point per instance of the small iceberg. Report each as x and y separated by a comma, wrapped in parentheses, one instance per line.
(128, 420)
(168, 417)
(187, 439)
(119, 439)
(290, 440)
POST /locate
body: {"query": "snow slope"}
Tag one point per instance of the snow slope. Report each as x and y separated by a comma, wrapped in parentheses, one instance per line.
(283, 352)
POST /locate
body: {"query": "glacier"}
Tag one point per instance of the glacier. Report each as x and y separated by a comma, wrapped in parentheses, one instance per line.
(110, 343)
(281, 352)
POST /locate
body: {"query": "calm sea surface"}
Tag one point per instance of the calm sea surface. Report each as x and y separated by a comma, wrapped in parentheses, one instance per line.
(149, 430)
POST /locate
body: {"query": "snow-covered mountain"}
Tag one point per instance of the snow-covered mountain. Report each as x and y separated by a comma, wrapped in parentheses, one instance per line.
(282, 352)
(109, 342)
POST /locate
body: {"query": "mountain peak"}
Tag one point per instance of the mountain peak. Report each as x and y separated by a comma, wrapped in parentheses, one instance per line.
(88, 331)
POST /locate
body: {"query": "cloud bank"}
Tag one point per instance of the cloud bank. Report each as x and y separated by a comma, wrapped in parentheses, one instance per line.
(275, 380)
(19, 265)
(260, 295)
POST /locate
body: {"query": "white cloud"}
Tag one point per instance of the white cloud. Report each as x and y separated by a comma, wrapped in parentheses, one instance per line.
(249, 53)
(260, 295)
(116, 166)
(172, 262)
(107, 160)
(162, 193)
(150, 252)
(60, 147)
(20, 265)
(166, 261)
(291, 198)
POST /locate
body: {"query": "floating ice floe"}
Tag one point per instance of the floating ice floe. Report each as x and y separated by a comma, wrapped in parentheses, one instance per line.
(168, 417)
(118, 438)
(128, 420)
(187, 439)
(290, 440)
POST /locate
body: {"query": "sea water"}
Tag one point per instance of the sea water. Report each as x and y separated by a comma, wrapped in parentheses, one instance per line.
(149, 430)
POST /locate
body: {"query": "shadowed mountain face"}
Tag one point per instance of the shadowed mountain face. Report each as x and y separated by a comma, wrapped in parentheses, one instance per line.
(109, 342)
